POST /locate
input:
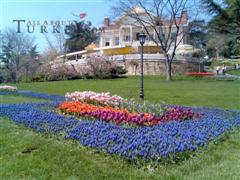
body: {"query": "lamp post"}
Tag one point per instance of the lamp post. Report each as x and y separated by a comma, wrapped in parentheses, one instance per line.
(142, 38)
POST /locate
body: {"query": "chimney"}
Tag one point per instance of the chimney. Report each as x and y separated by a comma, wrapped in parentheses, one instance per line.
(106, 21)
(184, 17)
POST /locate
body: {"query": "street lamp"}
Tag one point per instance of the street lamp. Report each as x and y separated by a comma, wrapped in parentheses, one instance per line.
(142, 38)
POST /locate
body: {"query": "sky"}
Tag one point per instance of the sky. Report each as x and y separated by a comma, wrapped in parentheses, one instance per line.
(50, 10)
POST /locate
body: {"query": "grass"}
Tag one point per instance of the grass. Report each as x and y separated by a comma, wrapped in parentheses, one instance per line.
(234, 72)
(11, 99)
(56, 159)
(183, 91)
(50, 157)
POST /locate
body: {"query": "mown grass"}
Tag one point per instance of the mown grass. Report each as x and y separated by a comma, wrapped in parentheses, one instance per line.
(183, 91)
(234, 72)
(12, 99)
(53, 158)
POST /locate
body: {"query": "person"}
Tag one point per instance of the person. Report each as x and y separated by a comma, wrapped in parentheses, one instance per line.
(223, 69)
(217, 70)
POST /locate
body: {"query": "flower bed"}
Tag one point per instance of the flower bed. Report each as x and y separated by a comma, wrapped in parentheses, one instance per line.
(122, 111)
(108, 114)
(147, 142)
(152, 142)
(51, 97)
(179, 114)
(8, 88)
(37, 117)
(94, 98)
(199, 74)
(119, 116)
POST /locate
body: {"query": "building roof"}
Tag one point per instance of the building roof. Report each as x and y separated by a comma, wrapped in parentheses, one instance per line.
(182, 20)
(112, 26)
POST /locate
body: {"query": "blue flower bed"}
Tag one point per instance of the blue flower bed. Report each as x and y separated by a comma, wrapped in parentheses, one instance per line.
(157, 141)
(37, 117)
(50, 97)
(145, 142)
(8, 92)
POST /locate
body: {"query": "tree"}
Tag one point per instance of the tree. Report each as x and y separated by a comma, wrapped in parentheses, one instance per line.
(198, 31)
(165, 17)
(215, 44)
(226, 15)
(226, 21)
(80, 34)
(57, 42)
(18, 50)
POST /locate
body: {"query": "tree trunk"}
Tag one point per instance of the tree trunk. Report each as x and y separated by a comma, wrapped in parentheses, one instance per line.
(168, 70)
(217, 53)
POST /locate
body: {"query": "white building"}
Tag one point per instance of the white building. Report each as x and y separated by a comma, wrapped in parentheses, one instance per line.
(120, 37)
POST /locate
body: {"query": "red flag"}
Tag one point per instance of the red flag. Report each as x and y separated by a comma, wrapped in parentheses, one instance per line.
(82, 15)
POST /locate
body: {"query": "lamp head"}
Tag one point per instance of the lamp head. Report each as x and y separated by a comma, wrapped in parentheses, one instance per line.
(142, 38)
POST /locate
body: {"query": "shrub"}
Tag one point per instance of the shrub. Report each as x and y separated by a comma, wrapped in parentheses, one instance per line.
(117, 71)
(56, 73)
(100, 67)
(97, 67)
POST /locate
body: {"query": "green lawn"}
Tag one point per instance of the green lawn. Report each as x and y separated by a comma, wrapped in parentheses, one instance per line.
(184, 91)
(234, 72)
(58, 159)
(17, 99)
(54, 158)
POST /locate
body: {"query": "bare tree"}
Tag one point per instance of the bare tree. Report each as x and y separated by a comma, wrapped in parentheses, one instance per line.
(57, 40)
(18, 50)
(60, 40)
(167, 18)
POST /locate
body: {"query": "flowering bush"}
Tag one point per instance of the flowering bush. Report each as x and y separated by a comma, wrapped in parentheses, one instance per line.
(108, 114)
(8, 88)
(55, 73)
(101, 67)
(94, 98)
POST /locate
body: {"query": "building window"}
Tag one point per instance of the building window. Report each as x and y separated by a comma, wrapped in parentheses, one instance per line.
(117, 41)
(127, 38)
(107, 41)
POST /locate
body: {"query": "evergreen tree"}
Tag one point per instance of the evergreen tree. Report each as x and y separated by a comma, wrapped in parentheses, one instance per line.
(226, 21)
(226, 16)
(198, 31)
(80, 34)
